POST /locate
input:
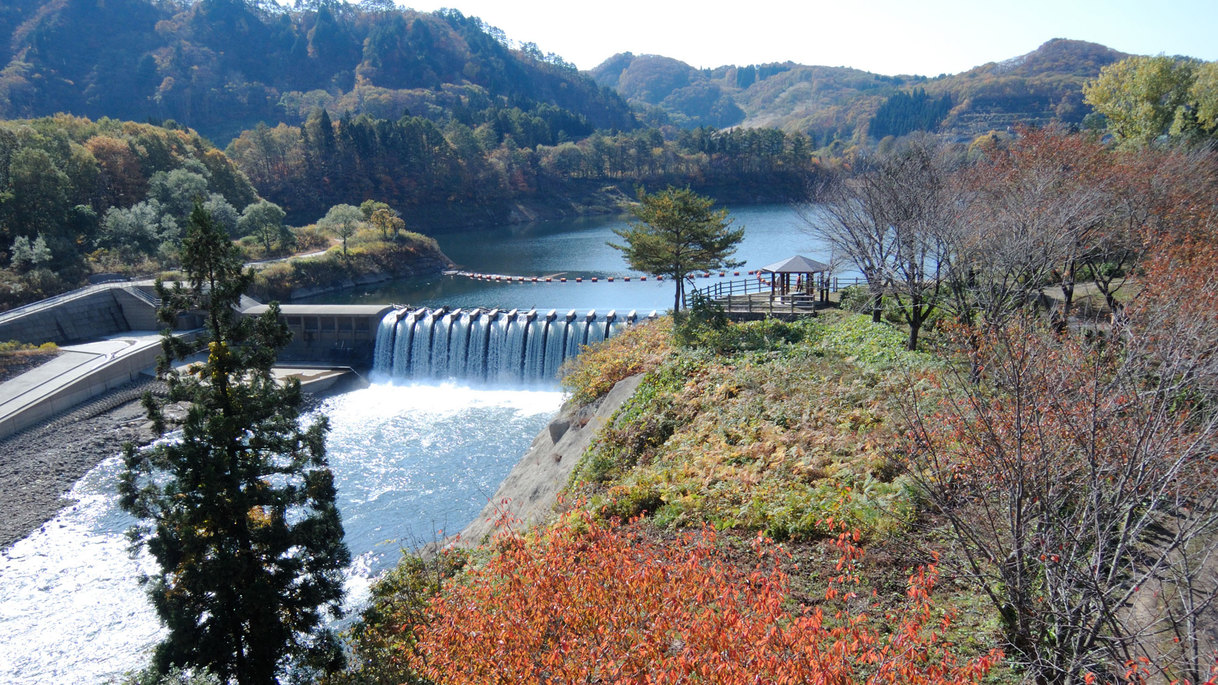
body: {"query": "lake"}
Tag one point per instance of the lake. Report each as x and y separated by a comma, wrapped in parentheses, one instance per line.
(577, 248)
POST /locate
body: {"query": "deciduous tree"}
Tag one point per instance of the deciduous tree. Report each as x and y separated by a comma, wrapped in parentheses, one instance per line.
(343, 221)
(1146, 97)
(898, 220)
(265, 221)
(1077, 476)
(1042, 206)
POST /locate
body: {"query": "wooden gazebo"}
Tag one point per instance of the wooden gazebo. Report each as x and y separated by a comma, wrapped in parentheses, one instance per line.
(804, 272)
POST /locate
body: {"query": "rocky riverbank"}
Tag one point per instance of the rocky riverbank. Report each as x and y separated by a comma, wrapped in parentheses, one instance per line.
(39, 465)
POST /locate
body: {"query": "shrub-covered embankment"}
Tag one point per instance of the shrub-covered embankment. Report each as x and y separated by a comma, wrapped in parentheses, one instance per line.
(661, 562)
(370, 258)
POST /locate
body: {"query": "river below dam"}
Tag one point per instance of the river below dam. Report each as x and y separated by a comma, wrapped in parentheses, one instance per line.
(412, 462)
(413, 459)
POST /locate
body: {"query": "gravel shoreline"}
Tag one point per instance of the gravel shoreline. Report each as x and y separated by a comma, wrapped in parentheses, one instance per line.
(39, 465)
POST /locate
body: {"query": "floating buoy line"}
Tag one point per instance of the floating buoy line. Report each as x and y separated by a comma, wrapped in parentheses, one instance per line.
(559, 278)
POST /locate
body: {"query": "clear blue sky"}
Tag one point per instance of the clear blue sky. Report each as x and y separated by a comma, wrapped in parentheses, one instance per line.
(885, 36)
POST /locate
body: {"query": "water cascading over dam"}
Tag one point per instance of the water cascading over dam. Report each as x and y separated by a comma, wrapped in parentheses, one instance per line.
(495, 346)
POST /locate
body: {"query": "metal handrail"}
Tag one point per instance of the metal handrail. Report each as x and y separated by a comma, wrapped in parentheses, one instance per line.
(143, 295)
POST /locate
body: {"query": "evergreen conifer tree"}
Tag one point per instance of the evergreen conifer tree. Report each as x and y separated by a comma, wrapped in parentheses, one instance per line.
(240, 511)
(677, 234)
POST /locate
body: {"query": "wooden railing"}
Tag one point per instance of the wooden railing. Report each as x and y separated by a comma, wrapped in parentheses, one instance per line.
(756, 296)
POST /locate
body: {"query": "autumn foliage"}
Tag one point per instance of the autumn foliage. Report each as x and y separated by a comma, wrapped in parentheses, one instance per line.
(1078, 479)
(587, 601)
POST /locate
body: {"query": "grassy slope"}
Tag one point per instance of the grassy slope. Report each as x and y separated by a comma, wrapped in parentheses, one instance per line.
(755, 428)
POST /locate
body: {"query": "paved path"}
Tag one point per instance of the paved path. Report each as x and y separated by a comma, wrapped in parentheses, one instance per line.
(79, 372)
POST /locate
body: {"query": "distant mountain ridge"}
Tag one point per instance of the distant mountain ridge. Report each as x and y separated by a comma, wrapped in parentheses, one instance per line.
(839, 103)
(221, 66)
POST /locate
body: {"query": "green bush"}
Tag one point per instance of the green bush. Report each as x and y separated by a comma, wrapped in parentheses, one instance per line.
(856, 298)
(399, 602)
(869, 344)
(311, 238)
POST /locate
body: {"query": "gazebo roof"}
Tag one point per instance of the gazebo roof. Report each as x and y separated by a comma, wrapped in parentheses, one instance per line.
(796, 265)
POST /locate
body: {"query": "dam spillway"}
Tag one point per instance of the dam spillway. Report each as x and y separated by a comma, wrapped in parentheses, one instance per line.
(488, 345)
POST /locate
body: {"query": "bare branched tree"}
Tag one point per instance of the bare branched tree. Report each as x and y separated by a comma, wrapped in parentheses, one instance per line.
(896, 219)
(1081, 489)
(1039, 204)
(846, 214)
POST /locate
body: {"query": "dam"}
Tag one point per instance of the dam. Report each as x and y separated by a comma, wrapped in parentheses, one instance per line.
(480, 345)
(412, 458)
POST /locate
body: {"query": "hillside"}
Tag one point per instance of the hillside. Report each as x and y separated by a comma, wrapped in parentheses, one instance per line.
(1042, 86)
(838, 103)
(221, 66)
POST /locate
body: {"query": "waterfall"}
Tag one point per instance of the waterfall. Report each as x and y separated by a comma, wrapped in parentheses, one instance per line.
(535, 346)
(458, 344)
(503, 348)
(420, 348)
(479, 339)
(556, 347)
(382, 361)
(401, 343)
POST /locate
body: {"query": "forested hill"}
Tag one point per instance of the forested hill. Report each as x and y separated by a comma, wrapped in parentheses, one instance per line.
(221, 66)
(837, 103)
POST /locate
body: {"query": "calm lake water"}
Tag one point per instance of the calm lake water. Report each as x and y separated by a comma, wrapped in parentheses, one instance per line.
(410, 460)
(571, 249)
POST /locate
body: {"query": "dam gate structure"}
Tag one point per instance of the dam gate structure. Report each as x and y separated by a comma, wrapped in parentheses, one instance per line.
(488, 345)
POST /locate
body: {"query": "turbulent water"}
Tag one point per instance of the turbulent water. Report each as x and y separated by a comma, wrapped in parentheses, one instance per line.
(412, 462)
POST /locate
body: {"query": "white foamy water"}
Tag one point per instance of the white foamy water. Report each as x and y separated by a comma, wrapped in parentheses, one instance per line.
(411, 462)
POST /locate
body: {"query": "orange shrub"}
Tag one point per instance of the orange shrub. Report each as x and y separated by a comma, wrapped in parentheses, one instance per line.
(639, 349)
(593, 602)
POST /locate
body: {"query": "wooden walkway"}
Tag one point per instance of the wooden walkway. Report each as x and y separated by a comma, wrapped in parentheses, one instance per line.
(753, 298)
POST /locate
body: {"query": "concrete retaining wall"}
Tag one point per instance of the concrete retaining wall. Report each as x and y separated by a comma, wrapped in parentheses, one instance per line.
(119, 371)
(103, 311)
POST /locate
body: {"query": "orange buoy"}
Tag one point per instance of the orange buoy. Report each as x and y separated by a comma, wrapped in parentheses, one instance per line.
(594, 279)
(579, 280)
(563, 280)
(610, 279)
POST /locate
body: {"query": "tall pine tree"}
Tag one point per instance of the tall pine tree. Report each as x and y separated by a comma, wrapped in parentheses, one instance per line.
(240, 511)
(677, 234)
